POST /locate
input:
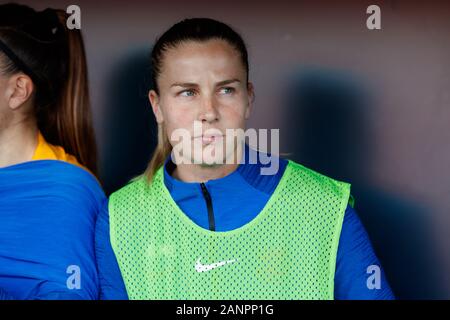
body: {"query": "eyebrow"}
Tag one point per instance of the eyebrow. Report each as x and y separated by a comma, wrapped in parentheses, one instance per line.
(192, 84)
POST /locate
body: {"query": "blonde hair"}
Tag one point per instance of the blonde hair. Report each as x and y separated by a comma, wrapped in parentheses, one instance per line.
(162, 151)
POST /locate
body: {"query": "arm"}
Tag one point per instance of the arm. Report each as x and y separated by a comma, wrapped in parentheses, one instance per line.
(112, 286)
(355, 254)
(5, 295)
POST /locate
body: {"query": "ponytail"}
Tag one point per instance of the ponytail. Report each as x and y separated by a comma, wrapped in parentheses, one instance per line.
(162, 151)
(74, 130)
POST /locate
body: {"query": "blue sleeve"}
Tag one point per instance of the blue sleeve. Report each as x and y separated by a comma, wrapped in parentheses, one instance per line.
(355, 257)
(48, 212)
(5, 295)
(112, 286)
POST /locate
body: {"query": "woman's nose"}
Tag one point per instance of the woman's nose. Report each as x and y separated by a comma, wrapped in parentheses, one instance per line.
(208, 111)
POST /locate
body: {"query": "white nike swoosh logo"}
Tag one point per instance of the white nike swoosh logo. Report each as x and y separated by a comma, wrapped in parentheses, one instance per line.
(199, 267)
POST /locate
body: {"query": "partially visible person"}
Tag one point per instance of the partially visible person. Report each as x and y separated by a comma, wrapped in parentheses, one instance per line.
(49, 193)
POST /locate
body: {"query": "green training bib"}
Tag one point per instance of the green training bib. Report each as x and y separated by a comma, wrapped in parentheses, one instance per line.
(288, 251)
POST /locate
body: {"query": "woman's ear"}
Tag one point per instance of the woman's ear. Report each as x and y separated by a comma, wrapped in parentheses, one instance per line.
(19, 90)
(156, 107)
(251, 98)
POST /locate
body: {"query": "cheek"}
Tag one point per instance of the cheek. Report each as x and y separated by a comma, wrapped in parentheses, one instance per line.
(176, 117)
(179, 117)
(176, 112)
(234, 112)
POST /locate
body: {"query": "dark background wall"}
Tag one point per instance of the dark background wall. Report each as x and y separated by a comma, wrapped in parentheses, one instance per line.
(368, 107)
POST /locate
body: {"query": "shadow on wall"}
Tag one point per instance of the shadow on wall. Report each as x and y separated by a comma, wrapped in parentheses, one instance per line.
(328, 113)
(130, 128)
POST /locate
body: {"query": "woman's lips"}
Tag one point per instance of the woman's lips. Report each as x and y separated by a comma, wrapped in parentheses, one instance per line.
(209, 139)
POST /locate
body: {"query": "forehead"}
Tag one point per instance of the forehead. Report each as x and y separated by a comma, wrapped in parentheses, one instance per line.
(192, 59)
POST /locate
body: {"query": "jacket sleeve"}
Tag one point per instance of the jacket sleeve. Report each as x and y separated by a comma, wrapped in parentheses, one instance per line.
(112, 286)
(357, 264)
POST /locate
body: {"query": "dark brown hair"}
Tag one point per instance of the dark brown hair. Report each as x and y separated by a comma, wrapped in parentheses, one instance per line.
(40, 45)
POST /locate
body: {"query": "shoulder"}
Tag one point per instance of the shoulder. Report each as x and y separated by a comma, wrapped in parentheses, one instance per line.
(56, 178)
(138, 191)
(138, 195)
(311, 177)
(51, 193)
(132, 189)
(316, 188)
(69, 173)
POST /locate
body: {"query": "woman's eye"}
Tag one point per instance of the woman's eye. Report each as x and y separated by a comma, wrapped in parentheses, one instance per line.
(227, 90)
(187, 93)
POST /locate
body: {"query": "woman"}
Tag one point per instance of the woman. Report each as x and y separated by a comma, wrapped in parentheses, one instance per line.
(49, 196)
(197, 226)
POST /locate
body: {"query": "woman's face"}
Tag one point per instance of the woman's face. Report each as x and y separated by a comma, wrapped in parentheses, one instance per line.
(202, 84)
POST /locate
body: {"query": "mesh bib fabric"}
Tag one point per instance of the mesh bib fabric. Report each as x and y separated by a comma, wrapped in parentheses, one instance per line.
(288, 251)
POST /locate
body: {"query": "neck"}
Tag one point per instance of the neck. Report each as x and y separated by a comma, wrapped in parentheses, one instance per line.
(18, 142)
(198, 173)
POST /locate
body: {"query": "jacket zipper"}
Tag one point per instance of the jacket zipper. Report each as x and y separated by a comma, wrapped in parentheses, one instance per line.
(207, 196)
